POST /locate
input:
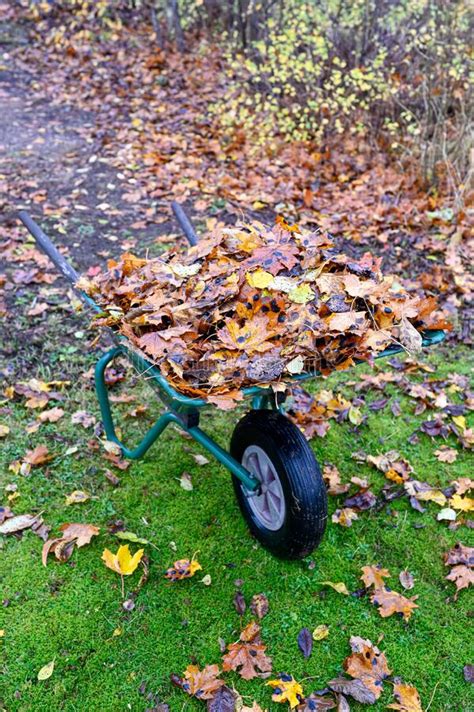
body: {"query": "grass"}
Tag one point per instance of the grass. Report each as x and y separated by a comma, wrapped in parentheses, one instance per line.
(69, 612)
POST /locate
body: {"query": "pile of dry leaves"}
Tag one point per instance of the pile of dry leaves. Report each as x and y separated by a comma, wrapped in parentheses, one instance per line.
(254, 305)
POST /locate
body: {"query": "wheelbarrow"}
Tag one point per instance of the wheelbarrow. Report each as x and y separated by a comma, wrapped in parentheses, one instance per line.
(277, 480)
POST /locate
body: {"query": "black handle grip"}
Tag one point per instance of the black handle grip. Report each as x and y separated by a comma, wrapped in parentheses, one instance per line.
(185, 223)
(48, 248)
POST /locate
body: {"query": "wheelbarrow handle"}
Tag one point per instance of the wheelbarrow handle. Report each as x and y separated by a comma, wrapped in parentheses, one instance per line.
(48, 248)
(185, 223)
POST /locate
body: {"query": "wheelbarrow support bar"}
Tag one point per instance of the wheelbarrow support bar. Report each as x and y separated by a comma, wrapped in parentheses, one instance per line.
(224, 457)
(48, 248)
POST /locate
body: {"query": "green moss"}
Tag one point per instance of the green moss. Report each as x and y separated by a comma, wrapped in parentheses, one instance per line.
(69, 611)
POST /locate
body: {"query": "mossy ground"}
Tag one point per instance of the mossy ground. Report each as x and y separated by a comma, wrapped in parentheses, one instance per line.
(68, 612)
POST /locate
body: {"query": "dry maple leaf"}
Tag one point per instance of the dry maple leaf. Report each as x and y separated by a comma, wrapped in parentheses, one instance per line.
(39, 456)
(374, 576)
(247, 656)
(202, 684)
(408, 698)
(460, 554)
(367, 664)
(462, 576)
(316, 703)
(73, 534)
(332, 478)
(390, 602)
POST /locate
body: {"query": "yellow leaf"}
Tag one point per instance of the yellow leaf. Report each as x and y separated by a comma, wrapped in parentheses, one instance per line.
(460, 421)
(4, 430)
(465, 504)
(433, 495)
(321, 632)
(77, 497)
(301, 294)
(117, 632)
(46, 671)
(122, 562)
(259, 279)
(258, 205)
(288, 690)
(339, 587)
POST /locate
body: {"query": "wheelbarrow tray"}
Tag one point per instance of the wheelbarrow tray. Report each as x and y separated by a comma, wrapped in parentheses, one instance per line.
(296, 471)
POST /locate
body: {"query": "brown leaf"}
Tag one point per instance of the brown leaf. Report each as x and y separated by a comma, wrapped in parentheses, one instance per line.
(390, 602)
(202, 684)
(354, 688)
(82, 533)
(39, 456)
(333, 482)
(239, 603)
(408, 699)
(374, 576)
(367, 664)
(259, 605)
(247, 656)
(18, 523)
(462, 576)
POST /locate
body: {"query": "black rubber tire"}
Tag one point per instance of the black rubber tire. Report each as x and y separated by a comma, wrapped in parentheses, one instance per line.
(300, 476)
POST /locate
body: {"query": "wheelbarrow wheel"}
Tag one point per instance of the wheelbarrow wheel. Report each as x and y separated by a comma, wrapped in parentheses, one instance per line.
(288, 514)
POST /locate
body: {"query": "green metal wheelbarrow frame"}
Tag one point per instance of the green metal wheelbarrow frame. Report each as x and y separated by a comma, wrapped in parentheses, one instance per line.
(180, 409)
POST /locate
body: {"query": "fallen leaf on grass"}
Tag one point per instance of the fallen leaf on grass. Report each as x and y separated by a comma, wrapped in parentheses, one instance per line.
(112, 478)
(186, 482)
(259, 605)
(340, 587)
(51, 416)
(317, 703)
(77, 497)
(406, 579)
(468, 671)
(446, 514)
(463, 504)
(365, 499)
(202, 684)
(223, 701)
(39, 456)
(344, 516)
(4, 430)
(239, 603)
(305, 642)
(332, 478)
(321, 632)
(390, 602)
(354, 688)
(408, 699)
(82, 417)
(122, 562)
(73, 534)
(130, 536)
(182, 569)
(46, 671)
(18, 523)
(368, 666)
(247, 656)
(253, 708)
(374, 576)
(462, 576)
(446, 454)
(463, 485)
(286, 689)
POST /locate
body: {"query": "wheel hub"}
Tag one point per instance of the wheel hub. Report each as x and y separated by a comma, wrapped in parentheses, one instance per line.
(268, 506)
